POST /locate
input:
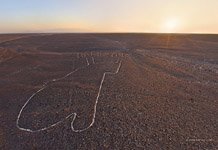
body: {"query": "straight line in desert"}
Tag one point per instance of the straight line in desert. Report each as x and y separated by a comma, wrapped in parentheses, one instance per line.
(96, 102)
(87, 61)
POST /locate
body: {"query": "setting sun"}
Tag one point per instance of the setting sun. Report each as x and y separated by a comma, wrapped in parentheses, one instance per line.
(145, 16)
(171, 25)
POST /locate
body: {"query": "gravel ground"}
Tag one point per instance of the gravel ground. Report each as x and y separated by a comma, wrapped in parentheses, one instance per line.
(163, 96)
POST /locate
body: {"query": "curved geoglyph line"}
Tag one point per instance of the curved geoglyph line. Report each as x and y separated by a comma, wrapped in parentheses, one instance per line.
(72, 114)
(45, 85)
(96, 102)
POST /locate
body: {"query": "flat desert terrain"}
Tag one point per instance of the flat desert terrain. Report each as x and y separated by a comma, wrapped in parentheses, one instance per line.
(108, 91)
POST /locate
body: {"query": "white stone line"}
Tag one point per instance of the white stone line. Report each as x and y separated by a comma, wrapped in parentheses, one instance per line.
(87, 61)
(58, 79)
(72, 114)
(93, 60)
(96, 102)
(44, 86)
(18, 117)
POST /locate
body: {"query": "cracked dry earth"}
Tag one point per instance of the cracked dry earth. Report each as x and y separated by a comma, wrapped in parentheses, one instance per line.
(164, 95)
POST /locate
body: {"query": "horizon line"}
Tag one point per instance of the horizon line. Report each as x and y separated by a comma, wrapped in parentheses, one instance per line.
(180, 33)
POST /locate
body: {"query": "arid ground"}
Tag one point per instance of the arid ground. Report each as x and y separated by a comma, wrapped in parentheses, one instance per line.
(108, 91)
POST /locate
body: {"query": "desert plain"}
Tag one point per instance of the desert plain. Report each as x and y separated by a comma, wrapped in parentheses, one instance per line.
(108, 91)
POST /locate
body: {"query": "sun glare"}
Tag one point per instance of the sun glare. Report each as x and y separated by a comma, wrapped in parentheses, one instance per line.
(171, 26)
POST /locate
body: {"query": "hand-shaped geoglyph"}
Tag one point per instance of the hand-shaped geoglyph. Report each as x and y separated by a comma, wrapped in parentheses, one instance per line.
(74, 95)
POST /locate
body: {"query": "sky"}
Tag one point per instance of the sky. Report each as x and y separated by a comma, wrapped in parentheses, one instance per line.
(159, 16)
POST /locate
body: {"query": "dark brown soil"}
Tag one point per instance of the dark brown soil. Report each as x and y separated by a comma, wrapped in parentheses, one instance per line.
(165, 95)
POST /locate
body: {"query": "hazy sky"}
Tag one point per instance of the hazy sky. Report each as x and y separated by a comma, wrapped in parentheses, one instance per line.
(109, 16)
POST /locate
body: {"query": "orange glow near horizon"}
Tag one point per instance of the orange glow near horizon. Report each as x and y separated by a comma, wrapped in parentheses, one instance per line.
(159, 16)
